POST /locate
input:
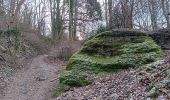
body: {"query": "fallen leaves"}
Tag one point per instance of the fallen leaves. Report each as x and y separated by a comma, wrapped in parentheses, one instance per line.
(139, 83)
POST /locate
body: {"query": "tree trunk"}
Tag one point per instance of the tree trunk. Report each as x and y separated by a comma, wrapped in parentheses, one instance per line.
(106, 13)
(75, 19)
(110, 8)
(127, 13)
(71, 19)
(165, 9)
(153, 13)
(168, 11)
(58, 19)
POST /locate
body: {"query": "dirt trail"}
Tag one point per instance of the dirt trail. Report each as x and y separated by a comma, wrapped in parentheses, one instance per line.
(34, 82)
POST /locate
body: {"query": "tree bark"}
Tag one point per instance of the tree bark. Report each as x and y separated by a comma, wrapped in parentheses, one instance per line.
(110, 8)
(153, 13)
(106, 13)
(71, 19)
(165, 9)
(127, 13)
(75, 19)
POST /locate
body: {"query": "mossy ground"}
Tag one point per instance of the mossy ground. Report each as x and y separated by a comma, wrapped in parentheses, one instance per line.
(109, 53)
(61, 88)
(73, 78)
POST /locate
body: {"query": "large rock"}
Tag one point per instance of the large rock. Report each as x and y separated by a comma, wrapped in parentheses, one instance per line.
(111, 51)
(162, 38)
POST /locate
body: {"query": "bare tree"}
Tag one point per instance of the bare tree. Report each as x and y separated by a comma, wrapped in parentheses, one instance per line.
(110, 8)
(152, 4)
(166, 10)
(127, 13)
(106, 12)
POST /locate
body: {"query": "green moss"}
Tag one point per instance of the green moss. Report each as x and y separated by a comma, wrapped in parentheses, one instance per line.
(140, 45)
(107, 64)
(107, 52)
(112, 46)
(105, 46)
(16, 35)
(127, 53)
(61, 89)
(72, 78)
(122, 33)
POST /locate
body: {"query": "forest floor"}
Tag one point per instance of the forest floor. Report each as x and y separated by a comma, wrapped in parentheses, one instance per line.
(39, 78)
(140, 83)
(34, 82)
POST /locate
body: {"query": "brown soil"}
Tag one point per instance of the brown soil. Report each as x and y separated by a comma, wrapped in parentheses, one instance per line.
(38, 79)
(35, 82)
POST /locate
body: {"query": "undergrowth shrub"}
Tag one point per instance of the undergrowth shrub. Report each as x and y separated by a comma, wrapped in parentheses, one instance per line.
(39, 44)
(65, 53)
(73, 78)
(14, 36)
(60, 89)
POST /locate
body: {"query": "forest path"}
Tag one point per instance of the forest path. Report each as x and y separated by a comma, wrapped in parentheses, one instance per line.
(34, 82)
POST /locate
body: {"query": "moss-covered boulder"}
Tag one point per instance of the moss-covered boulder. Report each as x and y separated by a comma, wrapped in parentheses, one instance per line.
(108, 52)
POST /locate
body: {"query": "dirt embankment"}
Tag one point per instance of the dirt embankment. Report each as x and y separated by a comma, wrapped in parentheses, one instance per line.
(35, 82)
(38, 78)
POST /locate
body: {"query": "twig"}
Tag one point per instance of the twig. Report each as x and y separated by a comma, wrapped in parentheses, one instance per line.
(54, 80)
(2, 58)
